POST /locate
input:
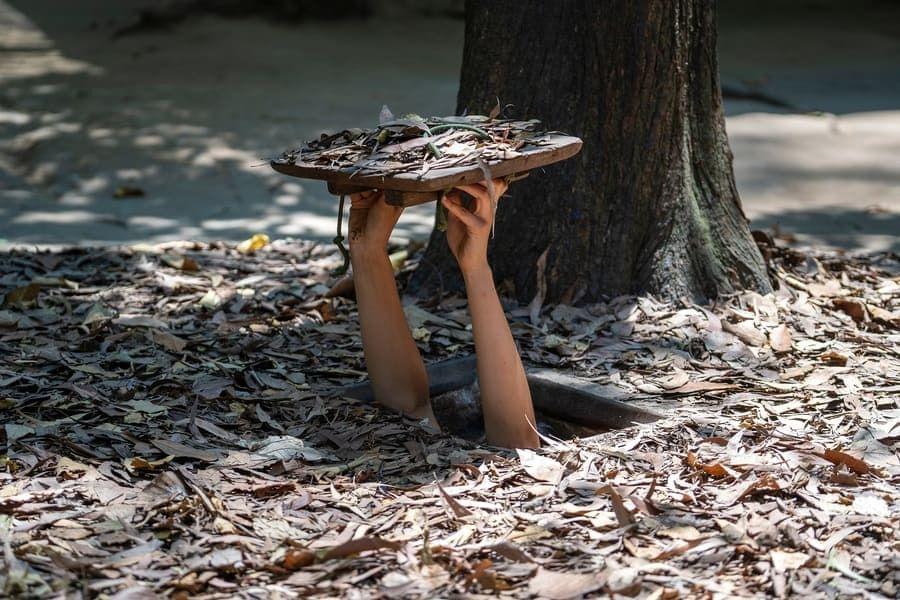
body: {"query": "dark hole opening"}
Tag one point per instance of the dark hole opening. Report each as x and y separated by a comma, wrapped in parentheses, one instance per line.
(565, 406)
(459, 413)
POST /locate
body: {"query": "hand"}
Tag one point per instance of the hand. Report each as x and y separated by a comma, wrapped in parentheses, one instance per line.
(371, 220)
(468, 231)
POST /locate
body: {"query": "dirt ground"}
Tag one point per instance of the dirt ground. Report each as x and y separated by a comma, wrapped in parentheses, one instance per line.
(188, 114)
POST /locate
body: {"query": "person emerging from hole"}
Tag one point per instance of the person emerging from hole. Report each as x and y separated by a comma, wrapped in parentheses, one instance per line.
(395, 367)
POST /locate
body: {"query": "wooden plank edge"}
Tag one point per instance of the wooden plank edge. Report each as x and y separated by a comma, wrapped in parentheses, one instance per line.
(438, 179)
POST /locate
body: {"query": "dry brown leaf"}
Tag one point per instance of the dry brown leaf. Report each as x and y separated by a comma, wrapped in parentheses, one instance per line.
(93, 393)
(295, 559)
(67, 469)
(739, 491)
(787, 561)
(681, 532)
(556, 585)
(363, 544)
(780, 339)
(678, 549)
(22, 297)
(177, 261)
(677, 380)
(534, 308)
(622, 513)
(486, 577)
(830, 289)
(542, 468)
(210, 388)
(512, 551)
(168, 340)
(714, 469)
(855, 308)
(833, 357)
(140, 321)
(839, 457)
(458, 509)
(694, 387)
(166, 485)
(271, 490)
(881, 315)
(184, 451)
(745, 331)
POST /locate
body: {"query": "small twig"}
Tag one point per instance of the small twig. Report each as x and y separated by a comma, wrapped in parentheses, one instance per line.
(489, 182)
(481, 132)
(339, 241)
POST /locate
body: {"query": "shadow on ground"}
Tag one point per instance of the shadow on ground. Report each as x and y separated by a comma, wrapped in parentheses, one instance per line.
(189, 116)
(184, 118)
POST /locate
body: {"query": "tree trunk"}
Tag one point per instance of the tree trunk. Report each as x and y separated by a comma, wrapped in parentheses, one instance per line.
(650, 204)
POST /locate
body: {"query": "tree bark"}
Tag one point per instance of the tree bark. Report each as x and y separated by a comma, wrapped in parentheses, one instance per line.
(650, 204)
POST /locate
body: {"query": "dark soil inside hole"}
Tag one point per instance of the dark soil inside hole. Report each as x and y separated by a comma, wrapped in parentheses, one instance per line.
(566, 406)
(459, 413)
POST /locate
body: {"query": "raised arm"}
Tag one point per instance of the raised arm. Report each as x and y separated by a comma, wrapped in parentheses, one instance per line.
(395, 367)
(505, 397)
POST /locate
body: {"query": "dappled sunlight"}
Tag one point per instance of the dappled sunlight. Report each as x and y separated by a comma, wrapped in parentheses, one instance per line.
(56, 217)
(154, 118)
(26, 52)
(188, 116)
(822, 180)
(12, 117)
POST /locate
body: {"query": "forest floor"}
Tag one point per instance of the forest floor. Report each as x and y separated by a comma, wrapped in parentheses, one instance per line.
(168, 431)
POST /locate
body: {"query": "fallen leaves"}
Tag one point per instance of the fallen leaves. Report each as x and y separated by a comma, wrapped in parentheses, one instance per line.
(179, 450)
(542, 468)
(140, 321)
(855, 308)
(786, 561)
(257, 241)
(168, 340)
(22, 297)
(713, 469)
(191, 450)
(558, 585)
(780, 339)
(181, 262)
(622, 513)
(746, 332)
(842, 458)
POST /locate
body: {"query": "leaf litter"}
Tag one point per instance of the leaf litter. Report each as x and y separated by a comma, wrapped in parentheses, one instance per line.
(415, 145)
(158, 444)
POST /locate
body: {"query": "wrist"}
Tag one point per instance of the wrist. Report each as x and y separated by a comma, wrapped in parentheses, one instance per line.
(479, 272)
(367, 254)
(367, 243)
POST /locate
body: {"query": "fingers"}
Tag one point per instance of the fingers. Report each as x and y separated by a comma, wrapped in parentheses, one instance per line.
(371, 220)
(365, 199)
(481, 188)
(454, 206)
(483, 204)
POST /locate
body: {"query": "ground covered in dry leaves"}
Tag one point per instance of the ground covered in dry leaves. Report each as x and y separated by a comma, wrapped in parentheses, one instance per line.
(167, 431)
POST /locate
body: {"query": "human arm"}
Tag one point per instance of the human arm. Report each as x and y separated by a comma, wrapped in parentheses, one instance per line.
(505, 396)
(395, 367)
